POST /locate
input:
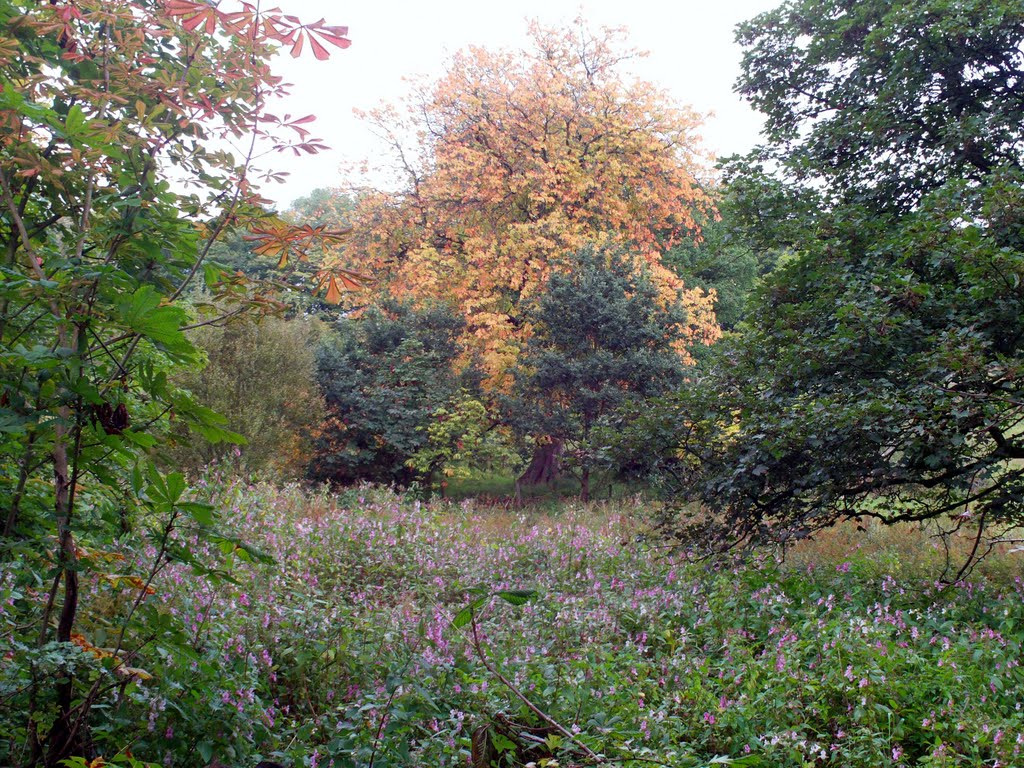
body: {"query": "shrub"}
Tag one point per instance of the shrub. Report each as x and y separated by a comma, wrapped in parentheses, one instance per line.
(384, 375)
(261, 376)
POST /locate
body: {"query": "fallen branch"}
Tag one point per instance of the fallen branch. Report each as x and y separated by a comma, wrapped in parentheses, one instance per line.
(478, 646)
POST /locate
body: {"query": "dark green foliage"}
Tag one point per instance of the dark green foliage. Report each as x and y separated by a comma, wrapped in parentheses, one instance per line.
(725, 261)
(883, 101)
(601, 338)
(880, 372)
(383, 375)
(870, 379)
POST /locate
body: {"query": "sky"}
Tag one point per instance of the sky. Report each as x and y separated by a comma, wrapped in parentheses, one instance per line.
(692, 56)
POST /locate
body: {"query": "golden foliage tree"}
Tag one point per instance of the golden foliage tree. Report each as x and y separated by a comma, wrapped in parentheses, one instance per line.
(512, 162)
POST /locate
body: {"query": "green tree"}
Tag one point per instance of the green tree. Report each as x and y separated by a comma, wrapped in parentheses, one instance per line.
(262, 377)
(724, 260)
(881, 102)
(384, 376)
(325, 205)
(117, 173)
(462, 438)
(601, 337)
(880, 372)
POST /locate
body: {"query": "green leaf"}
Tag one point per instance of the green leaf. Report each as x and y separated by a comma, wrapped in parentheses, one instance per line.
(142, 312)
(12, 422)
(465, 616)
(75, 120)
(205, 750)
(502, 743)
(232, 545)
(157, 489)
(204, 514)
(141, 439)
(746, 760)
(137, 479)
(517, 596)
(175, 486)
(215, 434)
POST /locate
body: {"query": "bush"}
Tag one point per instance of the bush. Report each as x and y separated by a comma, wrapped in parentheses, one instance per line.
(261, 376)
(384, 375)
(347, 651)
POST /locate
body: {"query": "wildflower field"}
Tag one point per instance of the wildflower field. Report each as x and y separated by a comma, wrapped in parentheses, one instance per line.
(337, 631)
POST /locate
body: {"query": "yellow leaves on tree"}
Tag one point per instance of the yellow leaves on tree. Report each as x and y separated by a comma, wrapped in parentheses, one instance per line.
(518, 160)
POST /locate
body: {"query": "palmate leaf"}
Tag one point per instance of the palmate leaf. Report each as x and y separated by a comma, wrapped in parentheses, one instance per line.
(258, 25)
(193, 15)
(333, 281)
(317, 34)
(144, 313)
(278, 238)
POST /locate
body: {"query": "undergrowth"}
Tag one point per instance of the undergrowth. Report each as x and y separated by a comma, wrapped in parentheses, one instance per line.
(340, 650)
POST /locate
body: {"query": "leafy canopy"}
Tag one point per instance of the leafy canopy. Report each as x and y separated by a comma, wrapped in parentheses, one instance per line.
(600, 338)
(385, 376)
(880, 372)
(881, 102)
(519, 159)
(127, 133)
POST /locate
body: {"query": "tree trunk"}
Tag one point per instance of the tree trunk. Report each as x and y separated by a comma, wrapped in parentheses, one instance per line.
(585, 485)
(544, 467)
(64, 738)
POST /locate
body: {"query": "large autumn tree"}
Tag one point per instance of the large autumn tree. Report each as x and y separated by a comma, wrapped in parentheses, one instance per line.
(517, 160)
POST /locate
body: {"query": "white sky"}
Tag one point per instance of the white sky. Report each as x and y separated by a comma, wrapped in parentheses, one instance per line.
(691, 55)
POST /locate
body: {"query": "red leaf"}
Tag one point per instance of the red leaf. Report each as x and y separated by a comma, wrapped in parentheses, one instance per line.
(319, 51)
(335, 36)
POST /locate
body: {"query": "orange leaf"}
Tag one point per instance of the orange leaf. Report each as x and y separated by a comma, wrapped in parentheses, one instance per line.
(85, 645)
(336, 280)
(281, 239)
(333, 295)
(194, 14)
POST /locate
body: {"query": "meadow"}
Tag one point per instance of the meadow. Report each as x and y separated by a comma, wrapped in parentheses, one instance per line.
(336, 630)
